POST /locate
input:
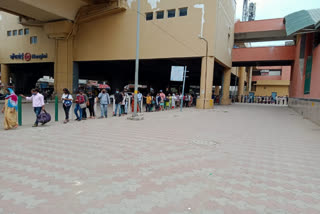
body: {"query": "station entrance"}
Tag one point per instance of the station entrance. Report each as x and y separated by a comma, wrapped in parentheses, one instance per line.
(153, 73)
(24, 76)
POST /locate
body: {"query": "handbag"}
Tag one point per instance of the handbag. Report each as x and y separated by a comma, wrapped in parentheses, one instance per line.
(83, 105)
(44, 117)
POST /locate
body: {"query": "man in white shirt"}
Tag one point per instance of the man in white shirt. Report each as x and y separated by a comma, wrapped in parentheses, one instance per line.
(37, 103)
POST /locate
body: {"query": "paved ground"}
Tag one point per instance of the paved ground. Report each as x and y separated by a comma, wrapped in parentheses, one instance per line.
(236, 159)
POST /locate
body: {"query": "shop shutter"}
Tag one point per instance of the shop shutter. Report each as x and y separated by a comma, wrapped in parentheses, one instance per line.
(308, 76)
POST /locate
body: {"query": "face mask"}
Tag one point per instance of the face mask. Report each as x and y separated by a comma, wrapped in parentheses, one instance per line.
(34, 93)
(117, 92)
(104, 92)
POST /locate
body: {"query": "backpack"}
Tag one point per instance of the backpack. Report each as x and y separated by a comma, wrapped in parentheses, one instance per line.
(67, 103)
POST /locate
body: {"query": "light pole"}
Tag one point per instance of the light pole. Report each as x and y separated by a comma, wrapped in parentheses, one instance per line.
(205, 81)
(136, 79)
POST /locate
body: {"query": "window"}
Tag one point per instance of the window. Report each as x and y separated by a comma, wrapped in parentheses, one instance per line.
(172, 13)
(15, 32)
(160, 14)
(20, 32)
(307, 82)
(9, 33)
(33, 40)
(183, 11)
(149, 16)
(26, 31)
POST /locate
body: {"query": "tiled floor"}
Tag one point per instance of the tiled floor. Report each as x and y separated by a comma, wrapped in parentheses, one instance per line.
(236, 159)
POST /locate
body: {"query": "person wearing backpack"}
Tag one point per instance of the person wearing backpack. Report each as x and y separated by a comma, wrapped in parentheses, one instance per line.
(66, 103)
(80, 103)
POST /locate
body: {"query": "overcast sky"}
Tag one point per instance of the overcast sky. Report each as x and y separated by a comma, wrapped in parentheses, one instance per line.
(268, 9)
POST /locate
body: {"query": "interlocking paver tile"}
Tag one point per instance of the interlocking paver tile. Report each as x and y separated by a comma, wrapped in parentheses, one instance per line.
(234, 159)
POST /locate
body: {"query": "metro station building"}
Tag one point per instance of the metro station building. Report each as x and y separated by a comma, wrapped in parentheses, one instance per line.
(96, 39)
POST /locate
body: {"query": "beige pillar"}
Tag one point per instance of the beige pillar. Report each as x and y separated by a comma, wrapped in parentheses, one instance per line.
(5, 79)
(206, 83)
(250, 79)
(226, 87)
(242, 71)
(63, 69)
(217, 90)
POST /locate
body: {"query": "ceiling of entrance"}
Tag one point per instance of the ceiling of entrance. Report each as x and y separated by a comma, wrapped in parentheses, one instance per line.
(44, 10)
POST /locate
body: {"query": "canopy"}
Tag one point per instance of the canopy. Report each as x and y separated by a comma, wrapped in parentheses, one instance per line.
(302, 21)
(104, 86)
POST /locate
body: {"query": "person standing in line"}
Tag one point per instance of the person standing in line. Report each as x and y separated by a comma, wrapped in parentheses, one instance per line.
(148, 102)
(10, 110)
(84, 107)
(126, 106)
(66, 103)
(104, 102)
(173, 101)
(80, 102)
(91, 99)
(123, 103)
(163, 98)
(158, 99)
(140, 101)
(37, 103)
(118, 100)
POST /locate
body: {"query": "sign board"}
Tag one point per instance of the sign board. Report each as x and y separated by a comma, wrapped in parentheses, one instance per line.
(28, 56)
(177, 73)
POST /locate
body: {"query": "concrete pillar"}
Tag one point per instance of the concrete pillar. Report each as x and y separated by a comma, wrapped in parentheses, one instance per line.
(206, 83)
(63, 68)
(5, 75)
(217, 90)
(225, 100)
(250, 79)
(242, 71)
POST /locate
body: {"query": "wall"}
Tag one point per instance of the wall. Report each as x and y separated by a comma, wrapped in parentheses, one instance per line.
(306, 104)
(21, 44)
(267, 90)
(114, 37)
(298, 80)
(308, 108)
(257, 78)
(224, 32)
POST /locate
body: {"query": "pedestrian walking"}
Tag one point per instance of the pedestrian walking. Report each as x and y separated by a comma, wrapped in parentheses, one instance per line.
(37, 103)
(10, 110)
(80, 103)
(91, 102)
(104, 102)
(118, 100)
(66, 103)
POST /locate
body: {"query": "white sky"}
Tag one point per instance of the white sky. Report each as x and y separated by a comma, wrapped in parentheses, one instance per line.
(269, 9)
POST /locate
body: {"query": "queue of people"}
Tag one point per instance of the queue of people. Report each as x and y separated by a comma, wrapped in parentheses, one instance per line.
(88, 101)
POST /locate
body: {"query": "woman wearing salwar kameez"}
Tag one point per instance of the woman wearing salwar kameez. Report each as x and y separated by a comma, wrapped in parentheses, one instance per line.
(10, 110)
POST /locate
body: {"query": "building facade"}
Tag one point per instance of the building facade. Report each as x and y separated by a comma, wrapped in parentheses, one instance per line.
(100, 42)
